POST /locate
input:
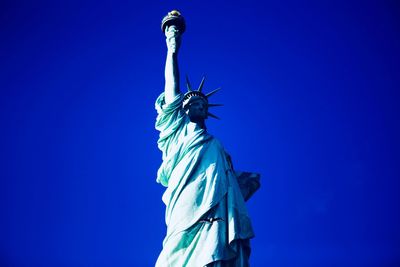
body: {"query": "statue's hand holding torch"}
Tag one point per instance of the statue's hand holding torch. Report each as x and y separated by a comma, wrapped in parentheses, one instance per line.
(173, 26)
(173, 38)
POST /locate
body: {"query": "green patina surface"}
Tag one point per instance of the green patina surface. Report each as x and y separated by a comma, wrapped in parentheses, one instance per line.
(207, 221)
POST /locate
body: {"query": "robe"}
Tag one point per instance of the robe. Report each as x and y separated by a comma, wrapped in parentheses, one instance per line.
(206, 217)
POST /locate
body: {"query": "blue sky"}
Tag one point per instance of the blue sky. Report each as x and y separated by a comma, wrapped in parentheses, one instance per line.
(310, 94)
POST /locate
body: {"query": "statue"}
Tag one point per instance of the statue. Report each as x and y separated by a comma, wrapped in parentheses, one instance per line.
(206, 217)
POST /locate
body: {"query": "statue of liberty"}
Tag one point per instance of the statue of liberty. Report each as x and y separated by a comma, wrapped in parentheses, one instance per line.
(206, 217)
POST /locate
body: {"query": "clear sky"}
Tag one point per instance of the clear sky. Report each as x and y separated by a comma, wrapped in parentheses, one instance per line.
(311, 101)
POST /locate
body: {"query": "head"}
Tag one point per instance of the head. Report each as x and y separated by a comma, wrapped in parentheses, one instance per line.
(197, 109)
(195, 104)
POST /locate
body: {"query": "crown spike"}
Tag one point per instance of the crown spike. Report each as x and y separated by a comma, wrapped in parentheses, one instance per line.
(212, 92)
(189, 87)
(215, 105)
(201, 84)
(212, 115)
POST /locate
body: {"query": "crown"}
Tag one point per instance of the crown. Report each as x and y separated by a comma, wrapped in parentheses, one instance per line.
(191, 94)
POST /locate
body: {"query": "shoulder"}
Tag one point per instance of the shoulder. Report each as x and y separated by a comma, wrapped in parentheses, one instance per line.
(163, 107)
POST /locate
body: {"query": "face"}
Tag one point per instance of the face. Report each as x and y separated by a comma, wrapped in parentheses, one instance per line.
(197, 110)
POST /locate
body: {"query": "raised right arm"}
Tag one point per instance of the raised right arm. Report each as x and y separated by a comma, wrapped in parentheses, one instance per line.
(171, 88)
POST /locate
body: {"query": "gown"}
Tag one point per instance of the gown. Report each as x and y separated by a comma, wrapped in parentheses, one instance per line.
(206, 217)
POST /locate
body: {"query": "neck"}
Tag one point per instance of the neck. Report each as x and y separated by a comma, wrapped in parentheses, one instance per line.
(201, 124)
